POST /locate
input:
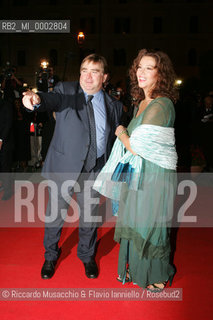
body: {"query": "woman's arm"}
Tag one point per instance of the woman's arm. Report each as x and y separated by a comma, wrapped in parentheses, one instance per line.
(122, 134)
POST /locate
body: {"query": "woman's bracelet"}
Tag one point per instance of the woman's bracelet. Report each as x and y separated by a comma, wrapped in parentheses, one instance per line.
(122, 132)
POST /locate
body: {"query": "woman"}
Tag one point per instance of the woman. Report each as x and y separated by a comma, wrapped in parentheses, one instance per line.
(143, 179)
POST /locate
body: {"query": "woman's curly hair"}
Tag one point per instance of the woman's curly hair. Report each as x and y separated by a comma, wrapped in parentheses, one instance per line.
(165, 85)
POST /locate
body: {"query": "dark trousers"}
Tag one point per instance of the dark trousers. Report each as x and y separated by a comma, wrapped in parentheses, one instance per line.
(58, 210)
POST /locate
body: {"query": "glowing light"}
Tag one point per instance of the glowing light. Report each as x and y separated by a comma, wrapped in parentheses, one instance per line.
(81, 37)
(178, 82)
(44, 63)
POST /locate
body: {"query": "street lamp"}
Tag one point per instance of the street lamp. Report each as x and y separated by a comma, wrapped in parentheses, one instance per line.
(81, 38)
(44, 64)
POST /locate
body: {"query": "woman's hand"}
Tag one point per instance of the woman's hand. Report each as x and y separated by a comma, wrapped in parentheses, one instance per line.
(119, 129)
(122, 134)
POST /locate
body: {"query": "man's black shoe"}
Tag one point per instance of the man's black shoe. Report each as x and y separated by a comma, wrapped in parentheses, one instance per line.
(48, 268)
(91, 269)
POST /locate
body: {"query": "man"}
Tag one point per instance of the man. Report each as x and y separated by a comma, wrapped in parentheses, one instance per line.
(47, 80)
(84, 113)
(6, 148)
(10, 84)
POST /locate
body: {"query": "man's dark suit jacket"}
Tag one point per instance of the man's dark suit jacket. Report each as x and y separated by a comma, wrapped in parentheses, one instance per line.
(69, 146)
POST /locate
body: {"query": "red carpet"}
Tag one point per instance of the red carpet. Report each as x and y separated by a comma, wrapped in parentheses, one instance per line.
(21, 259)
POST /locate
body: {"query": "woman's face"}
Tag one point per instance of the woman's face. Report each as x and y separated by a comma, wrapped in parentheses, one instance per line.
(147, 73)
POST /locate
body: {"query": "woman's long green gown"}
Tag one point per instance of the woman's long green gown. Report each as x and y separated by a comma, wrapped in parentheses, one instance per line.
(144, 216)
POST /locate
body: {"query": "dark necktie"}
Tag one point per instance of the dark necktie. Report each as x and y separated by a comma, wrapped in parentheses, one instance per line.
(90, 161)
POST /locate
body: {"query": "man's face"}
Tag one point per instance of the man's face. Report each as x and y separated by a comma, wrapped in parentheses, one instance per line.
(92, 77)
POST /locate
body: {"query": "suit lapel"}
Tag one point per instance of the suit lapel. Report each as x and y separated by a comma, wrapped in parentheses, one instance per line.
(81, 107)
(109, 113)
(109, 121)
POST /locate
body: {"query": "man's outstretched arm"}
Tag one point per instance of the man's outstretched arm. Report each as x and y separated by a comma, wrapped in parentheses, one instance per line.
(45, 101)
(51, 101)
